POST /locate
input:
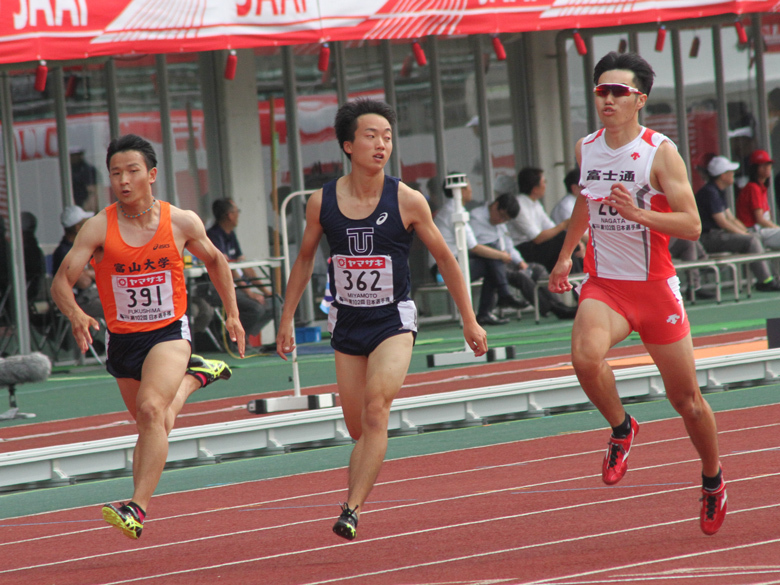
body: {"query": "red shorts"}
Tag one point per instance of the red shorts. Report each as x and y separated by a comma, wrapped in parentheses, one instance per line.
(653, 308)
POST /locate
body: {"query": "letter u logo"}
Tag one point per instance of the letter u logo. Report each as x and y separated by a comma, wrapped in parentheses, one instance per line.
(361, 240)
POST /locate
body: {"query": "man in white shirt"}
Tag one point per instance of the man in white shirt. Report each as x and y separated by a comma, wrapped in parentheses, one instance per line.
(488, 223)
(484, 262)
(537, 237)
(562, 210)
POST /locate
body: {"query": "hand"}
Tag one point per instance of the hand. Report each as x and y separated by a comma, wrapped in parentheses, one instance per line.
(523, 265)
(559, 277)
(506, 258)
(621, 200)
(285, 340)
(476, 338)
(81, 323)
(236, 332)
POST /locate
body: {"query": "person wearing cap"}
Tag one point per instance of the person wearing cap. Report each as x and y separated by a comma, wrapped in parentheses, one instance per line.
(721, 231)
(72, 219)
(753, 203)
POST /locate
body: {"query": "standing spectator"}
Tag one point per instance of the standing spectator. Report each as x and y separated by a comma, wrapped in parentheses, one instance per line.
(253, 310)
(485, 262)
(753, 203)
(721, 231)
(84, 178)
(537, 237)
(72, 219)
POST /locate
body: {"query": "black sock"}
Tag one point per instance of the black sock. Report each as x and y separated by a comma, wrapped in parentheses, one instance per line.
(712, 484)
(138, 510)
(623, 429)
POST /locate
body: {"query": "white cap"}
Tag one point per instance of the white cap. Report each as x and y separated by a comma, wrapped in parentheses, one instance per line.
(719, 165)
(72, 215)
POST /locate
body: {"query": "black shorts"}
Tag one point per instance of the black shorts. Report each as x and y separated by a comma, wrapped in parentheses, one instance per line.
(360, 331)
(127, 351)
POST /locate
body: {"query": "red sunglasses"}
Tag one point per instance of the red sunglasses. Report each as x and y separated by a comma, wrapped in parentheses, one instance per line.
(616, 89)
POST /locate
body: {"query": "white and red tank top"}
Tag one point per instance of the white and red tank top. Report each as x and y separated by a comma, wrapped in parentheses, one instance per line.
(620, 249)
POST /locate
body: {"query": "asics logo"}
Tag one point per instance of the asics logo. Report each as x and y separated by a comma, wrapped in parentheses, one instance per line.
(161, 246)
(381, 219)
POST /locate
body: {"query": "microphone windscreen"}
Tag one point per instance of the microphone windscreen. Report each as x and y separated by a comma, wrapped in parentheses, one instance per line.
(20, 369)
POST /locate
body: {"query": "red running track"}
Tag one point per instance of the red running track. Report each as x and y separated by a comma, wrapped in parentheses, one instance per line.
(530, 511)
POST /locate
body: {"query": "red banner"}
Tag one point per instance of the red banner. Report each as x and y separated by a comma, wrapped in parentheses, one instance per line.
(74, 29)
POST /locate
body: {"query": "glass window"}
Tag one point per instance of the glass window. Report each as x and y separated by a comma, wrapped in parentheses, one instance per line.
(189, 136)
(139, 109)
(38, 168)
(317, 106)
(86, 109)
(502, 149)
(770, 28)
(700, 101)
(415, 122)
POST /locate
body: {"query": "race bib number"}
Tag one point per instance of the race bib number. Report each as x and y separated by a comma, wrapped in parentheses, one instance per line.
(143, 298)
(363, 281)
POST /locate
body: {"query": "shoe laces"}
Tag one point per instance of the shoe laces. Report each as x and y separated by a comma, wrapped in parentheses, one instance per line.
(349, 514)
(711, 504)
(615, 449)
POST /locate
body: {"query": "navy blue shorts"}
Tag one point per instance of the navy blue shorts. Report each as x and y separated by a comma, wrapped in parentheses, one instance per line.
(360, 331)
(127, 351)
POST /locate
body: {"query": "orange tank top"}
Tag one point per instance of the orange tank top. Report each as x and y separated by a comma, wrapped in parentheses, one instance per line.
(143, 288)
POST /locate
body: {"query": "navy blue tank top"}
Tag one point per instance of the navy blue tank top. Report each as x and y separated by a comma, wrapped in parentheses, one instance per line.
(369, 262)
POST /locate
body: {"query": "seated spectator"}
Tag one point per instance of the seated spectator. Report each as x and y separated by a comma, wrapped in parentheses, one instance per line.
(253, 311)
(72, 219)
(753, 203)
(493, 274)
(720, 230)
(537, 237)
(562, 210)
(488, 222)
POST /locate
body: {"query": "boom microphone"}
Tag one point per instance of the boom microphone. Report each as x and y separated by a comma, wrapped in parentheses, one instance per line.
(21, 369)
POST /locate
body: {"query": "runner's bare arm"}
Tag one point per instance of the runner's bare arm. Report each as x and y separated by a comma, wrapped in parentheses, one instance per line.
(197, 242)
(416, 214)
(89, 239)
(300, 274)
(669, 176)
(578, 225)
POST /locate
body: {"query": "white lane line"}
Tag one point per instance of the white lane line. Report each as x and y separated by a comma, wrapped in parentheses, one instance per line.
(619, 500)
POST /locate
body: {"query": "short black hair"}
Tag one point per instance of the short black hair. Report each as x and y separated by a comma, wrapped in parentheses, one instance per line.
(221, 207)
(528, 178)
(571, 178)
(508, 203)
(132, 142)
(348, 114)
(643, 72)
